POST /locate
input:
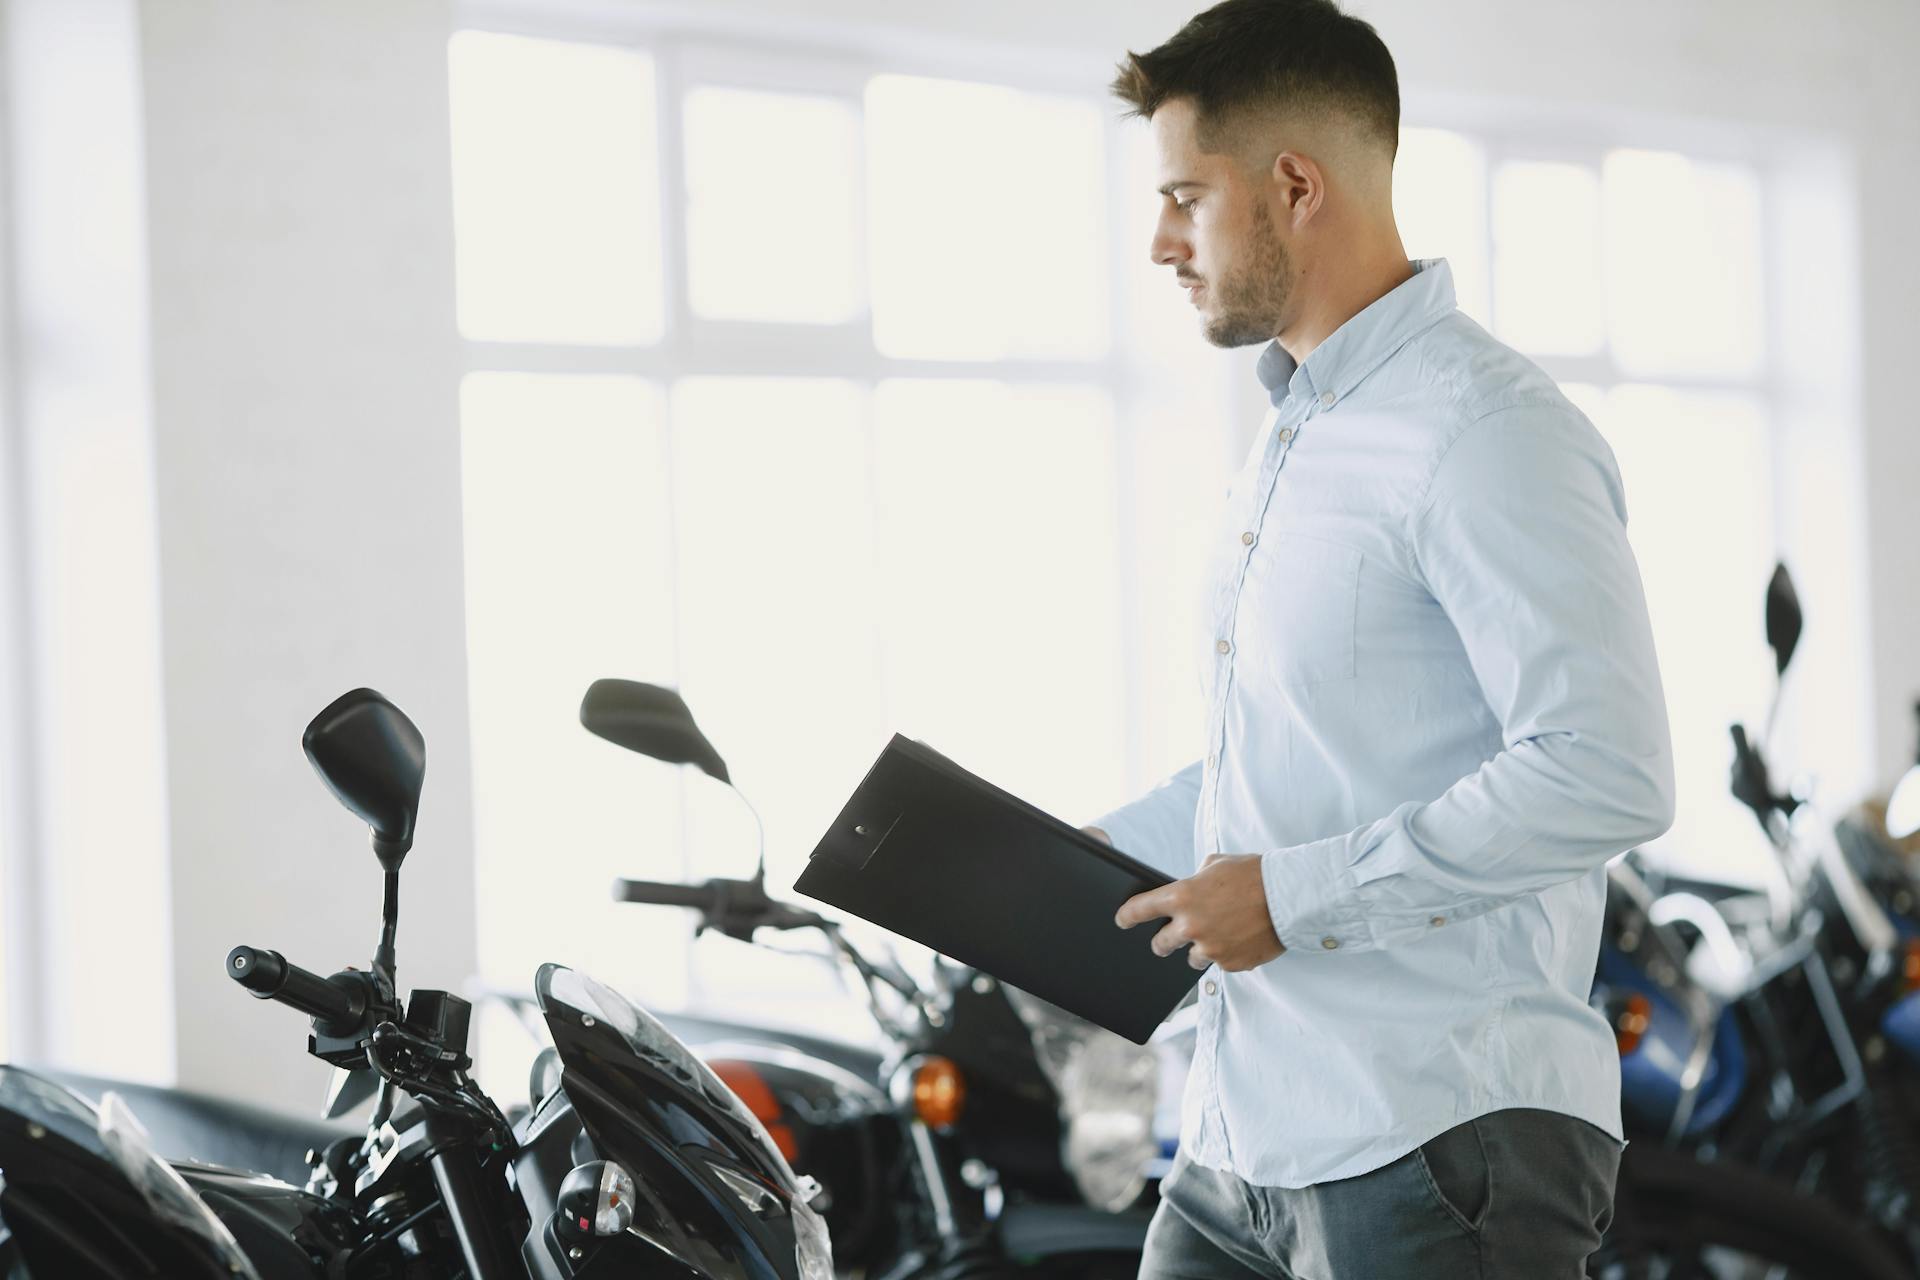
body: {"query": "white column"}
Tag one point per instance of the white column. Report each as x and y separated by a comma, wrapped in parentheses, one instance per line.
(89, 931)
(308, 465)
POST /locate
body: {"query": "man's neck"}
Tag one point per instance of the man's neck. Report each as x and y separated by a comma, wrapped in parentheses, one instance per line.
(1352, 288)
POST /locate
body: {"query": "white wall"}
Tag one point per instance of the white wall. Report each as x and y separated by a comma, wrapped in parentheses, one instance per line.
(309, 486)
(302, 427)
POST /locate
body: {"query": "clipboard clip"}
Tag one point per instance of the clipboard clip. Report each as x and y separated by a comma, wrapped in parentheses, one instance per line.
(856, 838)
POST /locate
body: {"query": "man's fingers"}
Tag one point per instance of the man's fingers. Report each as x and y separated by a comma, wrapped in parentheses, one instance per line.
(1198, 958)
(1142, 907)
(1170, 939)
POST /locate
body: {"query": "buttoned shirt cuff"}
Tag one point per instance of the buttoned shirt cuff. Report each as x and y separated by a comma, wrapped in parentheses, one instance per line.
(1313, 898)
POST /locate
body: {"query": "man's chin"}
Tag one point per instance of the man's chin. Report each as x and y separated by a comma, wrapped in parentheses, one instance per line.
(1233, 331)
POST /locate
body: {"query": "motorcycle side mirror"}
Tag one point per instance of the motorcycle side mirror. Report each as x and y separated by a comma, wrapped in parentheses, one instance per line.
(650, 720)
(374, 761)
(1784, 619)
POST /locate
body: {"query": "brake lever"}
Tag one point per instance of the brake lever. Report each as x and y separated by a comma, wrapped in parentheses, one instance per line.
(742, 906)
(415, 1063)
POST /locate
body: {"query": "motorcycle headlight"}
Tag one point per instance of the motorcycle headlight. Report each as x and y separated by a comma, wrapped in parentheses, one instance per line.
(1108, 1087)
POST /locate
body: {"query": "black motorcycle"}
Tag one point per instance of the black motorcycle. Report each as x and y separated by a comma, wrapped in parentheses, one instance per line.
(633, 1159)
(996, 1133)
(1771, 1114)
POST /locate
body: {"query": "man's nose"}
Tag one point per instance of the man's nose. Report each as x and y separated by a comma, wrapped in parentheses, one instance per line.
(1167, 249)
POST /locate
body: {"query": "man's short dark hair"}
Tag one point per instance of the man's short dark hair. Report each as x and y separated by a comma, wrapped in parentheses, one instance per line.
(1284, 55)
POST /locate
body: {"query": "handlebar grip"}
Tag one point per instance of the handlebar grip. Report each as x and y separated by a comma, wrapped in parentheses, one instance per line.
(699, 896)
(269, 976)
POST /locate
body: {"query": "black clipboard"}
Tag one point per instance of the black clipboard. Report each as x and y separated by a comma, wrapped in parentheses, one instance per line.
(934, 853)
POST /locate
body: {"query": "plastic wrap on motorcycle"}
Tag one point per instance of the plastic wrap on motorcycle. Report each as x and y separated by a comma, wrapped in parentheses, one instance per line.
(71, 1210)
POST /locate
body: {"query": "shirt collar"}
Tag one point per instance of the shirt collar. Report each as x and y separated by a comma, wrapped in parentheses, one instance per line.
(1364, 342)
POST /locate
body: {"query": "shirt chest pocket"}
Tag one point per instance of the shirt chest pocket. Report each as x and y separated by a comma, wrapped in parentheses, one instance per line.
(1298, 611)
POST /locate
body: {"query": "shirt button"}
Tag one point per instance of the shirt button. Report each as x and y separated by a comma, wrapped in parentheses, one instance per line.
(1286, 434)
(1437, 921)
(1212, 760)
(1246, 539)
(1212, 986)
(1326, 399)
(1331, 944)
(1224, 647)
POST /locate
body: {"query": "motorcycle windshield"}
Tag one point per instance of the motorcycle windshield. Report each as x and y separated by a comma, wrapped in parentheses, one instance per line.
(111, 1133)
(720, 1194)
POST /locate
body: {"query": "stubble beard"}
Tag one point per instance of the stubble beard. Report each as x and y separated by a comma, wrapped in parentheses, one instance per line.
(1253, 299)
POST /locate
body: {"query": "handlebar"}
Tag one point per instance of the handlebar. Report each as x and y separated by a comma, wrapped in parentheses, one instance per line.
(734, 907)
(738, 908)
(658, 894)
(270, 976)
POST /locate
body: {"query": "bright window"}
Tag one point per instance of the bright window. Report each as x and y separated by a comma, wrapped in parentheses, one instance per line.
(1546, 258)
(815, 417)
(1683, 266)
(773, 215)
(989, 212)
(557, 192)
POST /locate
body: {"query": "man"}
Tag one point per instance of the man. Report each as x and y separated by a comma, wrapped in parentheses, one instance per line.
(1433, 715)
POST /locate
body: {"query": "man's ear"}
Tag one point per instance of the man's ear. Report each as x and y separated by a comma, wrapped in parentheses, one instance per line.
(1300, 185)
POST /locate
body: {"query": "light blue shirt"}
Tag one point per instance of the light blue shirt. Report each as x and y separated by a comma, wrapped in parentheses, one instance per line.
(1433, 709)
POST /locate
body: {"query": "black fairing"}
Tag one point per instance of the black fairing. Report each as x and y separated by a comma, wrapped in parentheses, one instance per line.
(72, 1212)
(690, 1145)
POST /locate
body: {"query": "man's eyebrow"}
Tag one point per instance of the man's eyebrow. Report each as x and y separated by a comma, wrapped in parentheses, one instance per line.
(1172, 187)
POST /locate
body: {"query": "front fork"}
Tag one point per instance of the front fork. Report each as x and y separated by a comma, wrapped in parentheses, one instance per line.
(475, 1215)
(955, 1236)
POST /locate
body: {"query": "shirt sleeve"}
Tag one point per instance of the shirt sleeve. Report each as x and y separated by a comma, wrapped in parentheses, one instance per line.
(1522, 540)
(1158, 827)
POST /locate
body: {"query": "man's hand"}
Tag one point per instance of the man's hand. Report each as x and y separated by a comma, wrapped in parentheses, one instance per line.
(1220, 909)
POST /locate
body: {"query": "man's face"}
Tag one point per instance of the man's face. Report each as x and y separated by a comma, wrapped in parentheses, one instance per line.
(1217, 234)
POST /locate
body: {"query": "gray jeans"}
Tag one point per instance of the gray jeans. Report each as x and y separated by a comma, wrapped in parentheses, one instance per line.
(1517, 1193)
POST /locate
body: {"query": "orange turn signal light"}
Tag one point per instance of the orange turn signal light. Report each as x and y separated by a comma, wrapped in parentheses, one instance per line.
(1910, 965)
(939, 1092)
(1631, 1024)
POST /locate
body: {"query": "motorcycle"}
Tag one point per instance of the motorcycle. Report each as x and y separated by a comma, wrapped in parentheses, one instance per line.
(1002, 1133)
(634, 1157)
(1755, 1030)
